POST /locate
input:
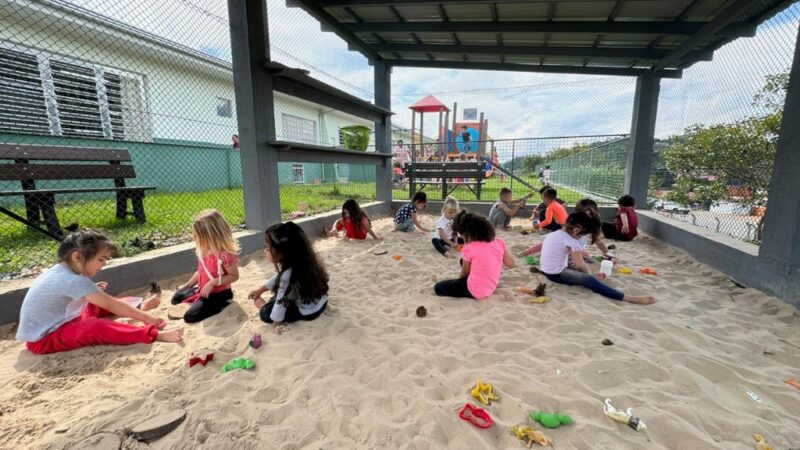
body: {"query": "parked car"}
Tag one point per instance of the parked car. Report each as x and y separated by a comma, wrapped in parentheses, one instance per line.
(671, 207)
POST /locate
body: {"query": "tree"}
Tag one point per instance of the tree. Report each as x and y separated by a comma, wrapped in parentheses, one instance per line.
(729, 161)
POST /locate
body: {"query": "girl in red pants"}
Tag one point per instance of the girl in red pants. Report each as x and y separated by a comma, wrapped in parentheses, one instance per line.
(63, 307)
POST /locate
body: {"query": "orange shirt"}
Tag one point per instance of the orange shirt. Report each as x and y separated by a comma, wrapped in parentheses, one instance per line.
(555, 212)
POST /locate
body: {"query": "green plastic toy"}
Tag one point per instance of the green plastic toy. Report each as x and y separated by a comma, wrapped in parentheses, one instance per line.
(598, 258)
(238, 363)
(550, 420)
(532, 260)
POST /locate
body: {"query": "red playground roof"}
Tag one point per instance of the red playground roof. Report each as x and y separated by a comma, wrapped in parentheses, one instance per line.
(429, 104)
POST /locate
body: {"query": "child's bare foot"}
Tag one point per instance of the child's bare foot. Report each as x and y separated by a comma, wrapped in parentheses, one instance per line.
(259, 302)
(600, 276)
(170, 336)
(151, 302)
(640, 300)
(448, 255)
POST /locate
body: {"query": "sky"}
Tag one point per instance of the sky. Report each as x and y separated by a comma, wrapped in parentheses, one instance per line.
(517, 105)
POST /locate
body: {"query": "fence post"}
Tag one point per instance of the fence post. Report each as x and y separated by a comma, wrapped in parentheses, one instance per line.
(255, 112)
(643, 124)
(513, 149)
(383, 131)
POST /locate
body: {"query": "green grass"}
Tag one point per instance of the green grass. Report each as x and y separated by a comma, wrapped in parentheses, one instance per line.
(491, 191)
(169, 216)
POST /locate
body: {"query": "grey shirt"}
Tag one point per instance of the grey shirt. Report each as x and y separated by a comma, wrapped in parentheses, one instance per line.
(54, 298)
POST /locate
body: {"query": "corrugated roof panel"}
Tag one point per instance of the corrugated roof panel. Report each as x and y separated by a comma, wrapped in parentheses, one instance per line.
(627, 40)
(571, 40)
(652, 10)
(374, 13)
(435, 38)
(524, 38)
(341, 15)
(477, 38)
(418, 12)
(598, 10)
(394, 38)
(522, 11)
(704, 10)
(468, 11)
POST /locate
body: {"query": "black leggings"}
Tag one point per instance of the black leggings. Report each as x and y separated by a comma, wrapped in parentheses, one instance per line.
(441, 246)
(453, 288)
(204, 308)
(610, 232)
(292, 312)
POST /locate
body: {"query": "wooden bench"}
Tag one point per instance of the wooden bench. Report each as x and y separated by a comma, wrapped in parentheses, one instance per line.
(448, 175)
(67, 163)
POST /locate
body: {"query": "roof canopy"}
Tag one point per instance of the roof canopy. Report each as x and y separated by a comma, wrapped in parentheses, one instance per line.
(429, 104)
(610, 37)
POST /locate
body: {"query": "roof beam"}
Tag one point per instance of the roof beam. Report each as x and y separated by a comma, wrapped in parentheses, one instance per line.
(604, 27)
(329, 23)
(509, 67)
(337, 3)
(708, 30)
(523, 50)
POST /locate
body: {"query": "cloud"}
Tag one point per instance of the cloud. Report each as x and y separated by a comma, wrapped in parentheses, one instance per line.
(516, 104)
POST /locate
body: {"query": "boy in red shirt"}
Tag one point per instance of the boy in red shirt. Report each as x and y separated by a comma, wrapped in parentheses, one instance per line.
(554, 215)
(625, 224)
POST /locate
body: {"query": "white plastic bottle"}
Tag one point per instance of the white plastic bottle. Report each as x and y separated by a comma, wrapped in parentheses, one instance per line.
(606, 267)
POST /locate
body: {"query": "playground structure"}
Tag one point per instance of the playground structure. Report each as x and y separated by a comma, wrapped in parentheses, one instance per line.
(467, 137)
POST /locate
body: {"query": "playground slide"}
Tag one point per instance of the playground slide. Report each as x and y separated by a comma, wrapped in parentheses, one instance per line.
(516, 178)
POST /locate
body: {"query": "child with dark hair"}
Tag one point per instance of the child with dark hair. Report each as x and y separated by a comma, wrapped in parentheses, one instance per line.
(589, 207)
(501, 213)
(406, 217)
(63, 308)
(562, 245)
(354, 222)
(483, 259)
(540, 209)
(554, 214)
(300, 286)
(626, 223)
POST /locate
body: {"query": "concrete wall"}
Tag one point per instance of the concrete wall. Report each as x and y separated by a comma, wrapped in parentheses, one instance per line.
(737, 259)
(137, 271)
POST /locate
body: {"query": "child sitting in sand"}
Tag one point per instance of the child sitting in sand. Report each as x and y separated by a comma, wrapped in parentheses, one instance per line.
(501, 213)
(406, 217)
(538, 213)
(63, 307)
(444, 239)
(209, 288)
(554, 213)
(300, 286)
(562, 245)
(483, 259)
(626, 223)
(589, 207)
(354, 222)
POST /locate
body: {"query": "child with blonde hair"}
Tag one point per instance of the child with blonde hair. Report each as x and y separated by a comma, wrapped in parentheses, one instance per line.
(444, 239)
(209, 288)
(64, 309)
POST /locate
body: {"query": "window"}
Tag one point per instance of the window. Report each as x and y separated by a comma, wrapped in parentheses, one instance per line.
(224, 107)
(298, 177)
(297, 129)
(47, 94)
(22, 105)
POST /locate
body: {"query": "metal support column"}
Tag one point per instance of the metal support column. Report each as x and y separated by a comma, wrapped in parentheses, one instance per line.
(643, 125)
(255, 111)
(383, 131)
(780, 246)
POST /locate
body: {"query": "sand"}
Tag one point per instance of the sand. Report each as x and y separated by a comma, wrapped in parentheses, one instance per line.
(371, 374)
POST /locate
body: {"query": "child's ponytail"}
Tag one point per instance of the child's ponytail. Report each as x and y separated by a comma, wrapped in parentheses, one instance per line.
(88, 243)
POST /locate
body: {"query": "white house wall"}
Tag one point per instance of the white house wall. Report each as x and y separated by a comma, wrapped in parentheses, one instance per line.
(181, 93)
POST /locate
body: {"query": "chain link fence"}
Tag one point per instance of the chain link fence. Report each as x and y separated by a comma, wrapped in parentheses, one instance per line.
(717, 132)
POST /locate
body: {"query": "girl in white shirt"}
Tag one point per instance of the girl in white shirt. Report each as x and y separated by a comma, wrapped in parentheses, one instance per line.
(443, 239)
(560, 245)
(300, 286)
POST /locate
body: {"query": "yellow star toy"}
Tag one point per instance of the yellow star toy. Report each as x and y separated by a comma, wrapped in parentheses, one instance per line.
(483, 392)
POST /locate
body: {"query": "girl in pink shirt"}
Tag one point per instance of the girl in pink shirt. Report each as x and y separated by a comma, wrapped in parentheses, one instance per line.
(482, 261)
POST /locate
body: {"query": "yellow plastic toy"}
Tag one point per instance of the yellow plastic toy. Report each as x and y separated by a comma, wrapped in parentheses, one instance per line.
(527, 432)
(625, 270)
(761, 444)
(539, 300)
(483, 392)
